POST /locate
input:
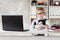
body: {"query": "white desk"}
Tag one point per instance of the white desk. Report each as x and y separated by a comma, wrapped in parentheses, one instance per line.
(17, 33)
(28, 33)
(12, 33)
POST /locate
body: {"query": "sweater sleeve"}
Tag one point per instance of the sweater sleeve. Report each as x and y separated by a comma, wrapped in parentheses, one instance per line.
(32, 26)
(48, 23)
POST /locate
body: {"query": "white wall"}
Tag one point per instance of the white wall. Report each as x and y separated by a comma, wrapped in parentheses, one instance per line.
(19, 7)
(15, 7)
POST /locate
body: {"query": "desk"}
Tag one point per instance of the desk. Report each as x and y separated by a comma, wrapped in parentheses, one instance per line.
(14, 33)
(54, 33)
(28, 33)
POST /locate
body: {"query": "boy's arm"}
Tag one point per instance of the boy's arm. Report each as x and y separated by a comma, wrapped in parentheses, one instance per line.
(32, 25)
(48, 24)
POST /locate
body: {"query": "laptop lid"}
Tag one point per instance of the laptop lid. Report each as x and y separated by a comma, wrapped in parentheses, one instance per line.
(12, 22)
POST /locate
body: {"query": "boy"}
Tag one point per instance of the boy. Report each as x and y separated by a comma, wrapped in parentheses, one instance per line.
(41, 22)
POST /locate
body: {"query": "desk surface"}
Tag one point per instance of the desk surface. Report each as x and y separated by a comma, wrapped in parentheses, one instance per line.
(27, 33)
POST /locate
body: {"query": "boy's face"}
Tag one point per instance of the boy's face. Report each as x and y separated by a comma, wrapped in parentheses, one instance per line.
(40, 14)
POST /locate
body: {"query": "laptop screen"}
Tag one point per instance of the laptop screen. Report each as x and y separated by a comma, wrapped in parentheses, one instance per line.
(12, 22)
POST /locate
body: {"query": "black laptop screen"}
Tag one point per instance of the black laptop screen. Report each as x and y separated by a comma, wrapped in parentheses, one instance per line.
(12, 23)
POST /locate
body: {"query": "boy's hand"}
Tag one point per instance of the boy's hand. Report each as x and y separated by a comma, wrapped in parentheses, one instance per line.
(45, 26)
(38, 27)
(41, 26)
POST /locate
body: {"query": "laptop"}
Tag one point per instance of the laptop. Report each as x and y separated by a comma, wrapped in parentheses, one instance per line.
(12, 23)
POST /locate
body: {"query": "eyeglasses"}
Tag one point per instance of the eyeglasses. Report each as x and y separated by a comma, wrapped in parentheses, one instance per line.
(41, 13)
